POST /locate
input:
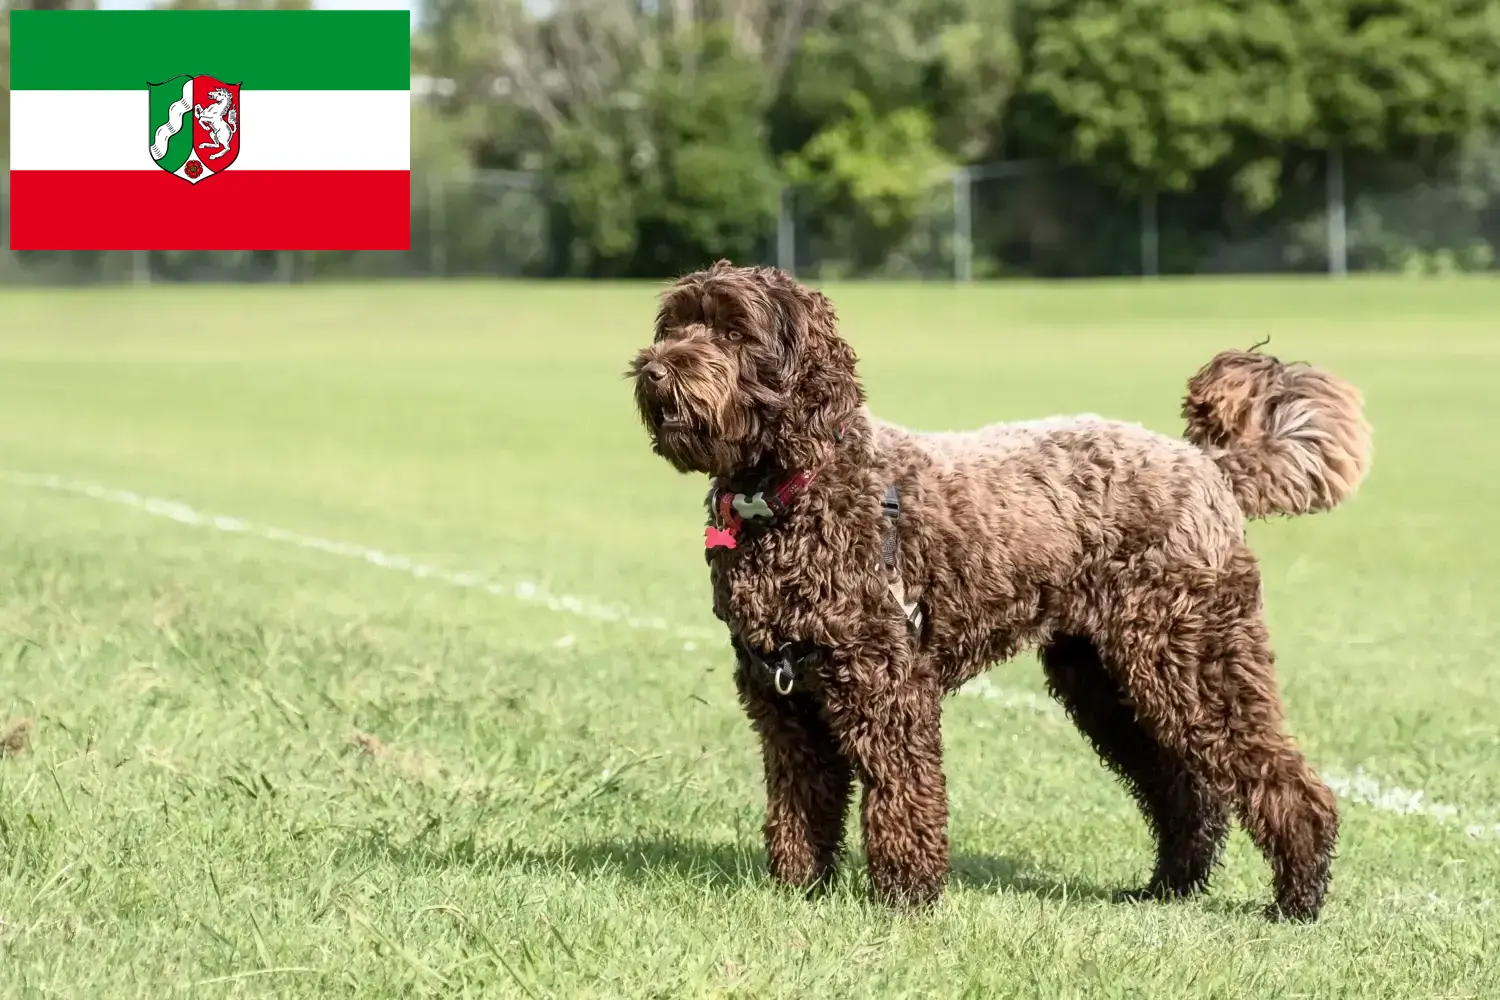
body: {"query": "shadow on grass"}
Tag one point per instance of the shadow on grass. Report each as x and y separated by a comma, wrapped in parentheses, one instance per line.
(728, 866)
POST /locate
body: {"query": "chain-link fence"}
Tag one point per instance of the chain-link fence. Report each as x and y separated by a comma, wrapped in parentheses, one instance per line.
(1034, 220)
(1018, 219)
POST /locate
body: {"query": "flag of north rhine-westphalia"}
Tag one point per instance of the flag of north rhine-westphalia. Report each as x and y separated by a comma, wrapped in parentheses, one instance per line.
(210, 130)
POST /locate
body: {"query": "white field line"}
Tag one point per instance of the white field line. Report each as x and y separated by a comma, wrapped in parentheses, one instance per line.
(520, 590)
(1359, 787)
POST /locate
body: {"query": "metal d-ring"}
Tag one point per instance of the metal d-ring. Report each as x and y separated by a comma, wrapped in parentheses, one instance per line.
(783, 678)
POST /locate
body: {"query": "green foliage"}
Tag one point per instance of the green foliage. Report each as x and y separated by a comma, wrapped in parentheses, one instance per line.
(1156, 93)
(956, 59)
(668, 133)
(664, 135)
(866, 180)
(878, 104)
(675, 175)
(881, 166)
(1401, 72)
(712, 189)
(599, 201)
(1437, 221)
(977, 68)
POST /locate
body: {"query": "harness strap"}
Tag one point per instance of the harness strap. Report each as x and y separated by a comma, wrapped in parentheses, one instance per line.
(890, 506)
(780, 664)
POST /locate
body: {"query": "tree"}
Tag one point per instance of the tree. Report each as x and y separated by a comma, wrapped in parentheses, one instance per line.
(649, 122)
(713, 189)
(1154, 93)
(868, 178)
(955, 59)
(881, 101)
(666, 127)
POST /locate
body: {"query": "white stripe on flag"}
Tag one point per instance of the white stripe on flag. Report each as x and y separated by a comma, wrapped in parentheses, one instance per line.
(285, 130)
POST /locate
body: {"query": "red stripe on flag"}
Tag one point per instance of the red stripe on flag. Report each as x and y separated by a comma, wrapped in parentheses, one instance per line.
(237, 210)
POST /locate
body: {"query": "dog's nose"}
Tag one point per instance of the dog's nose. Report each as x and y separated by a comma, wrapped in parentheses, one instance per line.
(655, 371)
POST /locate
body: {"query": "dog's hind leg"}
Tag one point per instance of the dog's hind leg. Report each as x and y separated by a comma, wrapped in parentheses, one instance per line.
(1189, 822)
(1202, 680)
(808, 780)
(1286, 808)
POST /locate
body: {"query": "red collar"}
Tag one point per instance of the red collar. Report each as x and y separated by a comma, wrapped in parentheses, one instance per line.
(728, 512)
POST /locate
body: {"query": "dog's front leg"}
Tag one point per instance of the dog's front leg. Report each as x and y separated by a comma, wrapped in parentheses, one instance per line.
(808, 779)
(888, 719)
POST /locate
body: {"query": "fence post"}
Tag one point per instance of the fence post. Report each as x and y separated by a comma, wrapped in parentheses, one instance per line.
(1338, 232)
(786, 233)
(1150, 236)
(140, 267)
(963, 225)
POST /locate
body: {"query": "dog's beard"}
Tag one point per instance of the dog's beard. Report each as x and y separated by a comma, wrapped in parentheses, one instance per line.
(690, 450)
(696, 421)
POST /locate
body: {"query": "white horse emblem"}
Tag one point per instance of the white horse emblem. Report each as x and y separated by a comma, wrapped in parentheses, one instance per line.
(220, 120)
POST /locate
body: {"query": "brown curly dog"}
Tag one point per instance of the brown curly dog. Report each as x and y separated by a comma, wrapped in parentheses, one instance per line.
(865, 571)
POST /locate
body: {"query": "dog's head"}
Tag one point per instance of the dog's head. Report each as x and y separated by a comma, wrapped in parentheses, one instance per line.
(746, 370)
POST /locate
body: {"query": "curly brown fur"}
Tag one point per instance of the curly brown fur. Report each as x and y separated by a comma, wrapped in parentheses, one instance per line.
(1291, 438)
(807, 776)
(1189, 822)
(1119, 552)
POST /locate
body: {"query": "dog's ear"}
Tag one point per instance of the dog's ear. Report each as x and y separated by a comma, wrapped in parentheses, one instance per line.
(822, 383)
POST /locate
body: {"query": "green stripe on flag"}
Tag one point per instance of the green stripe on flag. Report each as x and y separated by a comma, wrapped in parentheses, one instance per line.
(261, 49)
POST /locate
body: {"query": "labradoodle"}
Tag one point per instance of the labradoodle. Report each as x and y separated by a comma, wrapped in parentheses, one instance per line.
(864, 571)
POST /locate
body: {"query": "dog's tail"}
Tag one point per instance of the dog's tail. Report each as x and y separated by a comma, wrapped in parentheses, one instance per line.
(1292, 438)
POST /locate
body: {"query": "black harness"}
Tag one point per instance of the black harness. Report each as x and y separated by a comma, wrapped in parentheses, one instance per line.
(781, 666)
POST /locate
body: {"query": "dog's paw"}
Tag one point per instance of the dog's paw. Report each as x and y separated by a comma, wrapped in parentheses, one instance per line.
(1139, 894)
(909, 896)
(1156, 892)
(1276, 913)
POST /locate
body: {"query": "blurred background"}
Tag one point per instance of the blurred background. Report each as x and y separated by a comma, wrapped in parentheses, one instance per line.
(938, 139)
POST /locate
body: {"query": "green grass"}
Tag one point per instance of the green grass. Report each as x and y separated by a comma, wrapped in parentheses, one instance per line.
(569, 807)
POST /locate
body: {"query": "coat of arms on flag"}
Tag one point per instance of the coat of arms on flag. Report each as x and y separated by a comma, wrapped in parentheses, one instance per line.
(195, 126)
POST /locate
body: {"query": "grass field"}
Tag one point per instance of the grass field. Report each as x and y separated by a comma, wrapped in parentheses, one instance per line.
(512, 764)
